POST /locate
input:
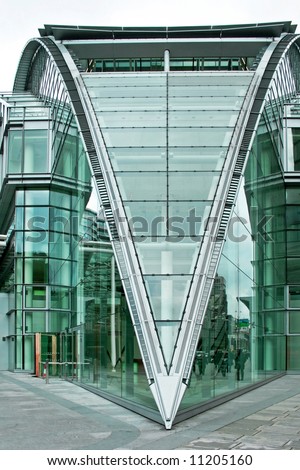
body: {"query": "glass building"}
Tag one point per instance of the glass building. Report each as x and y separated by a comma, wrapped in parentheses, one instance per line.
(150, 197)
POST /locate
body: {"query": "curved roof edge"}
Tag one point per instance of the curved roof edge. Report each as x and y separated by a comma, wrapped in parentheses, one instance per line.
(72, 32)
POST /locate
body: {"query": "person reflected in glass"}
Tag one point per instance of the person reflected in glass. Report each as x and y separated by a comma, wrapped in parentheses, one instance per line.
(201, 361)
(230, 359)
(240, 360)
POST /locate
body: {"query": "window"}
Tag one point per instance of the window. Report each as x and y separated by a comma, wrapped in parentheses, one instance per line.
(35, 322)
(296, 148)
(27, 151)
(35, 296)
(15, 150)
(294, 296)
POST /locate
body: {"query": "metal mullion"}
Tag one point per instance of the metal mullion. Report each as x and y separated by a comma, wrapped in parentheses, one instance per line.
(167, 155)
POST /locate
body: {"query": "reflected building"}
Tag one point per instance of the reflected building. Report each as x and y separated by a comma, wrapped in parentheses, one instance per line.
(149, 211)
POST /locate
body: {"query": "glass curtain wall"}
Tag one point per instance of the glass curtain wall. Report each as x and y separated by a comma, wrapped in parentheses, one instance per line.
(27, 153)
(86, 299)
(292, 225)
(277, 257)
(243, 339)
(224, 358)
(167, 136)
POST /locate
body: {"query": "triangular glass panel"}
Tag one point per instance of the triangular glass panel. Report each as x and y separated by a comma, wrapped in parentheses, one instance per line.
(166, 138)
(167, 332)
(167, 295)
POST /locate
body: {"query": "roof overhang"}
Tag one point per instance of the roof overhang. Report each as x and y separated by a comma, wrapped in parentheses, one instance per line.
(136, 48)
(72, 32)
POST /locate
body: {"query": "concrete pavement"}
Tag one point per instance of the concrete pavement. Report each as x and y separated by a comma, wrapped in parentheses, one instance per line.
(61, 415)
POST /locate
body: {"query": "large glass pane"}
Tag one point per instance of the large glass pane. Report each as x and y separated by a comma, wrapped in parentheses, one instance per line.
(167, 295)
(293, 270)
(36, 243)
(19, 197)
(273, 297)
(142, 186)
(205, 103)
(140, 137)
(36, 198)
(147, 218)
(35, 151)
(126, 91)
(35, 322)
(209, 79)
(167, 257)
(19, 218)
(195, 137)
(191, 186)
(35, 297)
(19, 246)
(36, 270)
(293, 217)
(60, 199)
(294, 296)
(67, 162)
(153, 103)
(214, 91)
(293, 353)
(275, 271)
(99, 80)
(58, 321)
(275, 353)
(296, 148)
(203, 118)
(294, 322)
(15, 151)
(200, 159)
(60, 245)
(188, 219)
(131, 159)
(60, 272)
(293, 242)
(275, 323)
(37, 219)
(61, 220)
(132, 119)
(60, 297)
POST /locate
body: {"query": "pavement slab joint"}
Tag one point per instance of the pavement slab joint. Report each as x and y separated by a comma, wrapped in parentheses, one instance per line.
(265, 418)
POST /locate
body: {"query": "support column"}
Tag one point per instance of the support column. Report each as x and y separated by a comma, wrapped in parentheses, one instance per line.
(167, 61)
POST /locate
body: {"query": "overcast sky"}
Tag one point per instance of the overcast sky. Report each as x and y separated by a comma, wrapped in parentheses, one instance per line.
(20, 19)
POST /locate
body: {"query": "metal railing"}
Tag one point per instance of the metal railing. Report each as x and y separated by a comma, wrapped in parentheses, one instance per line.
(64, 370)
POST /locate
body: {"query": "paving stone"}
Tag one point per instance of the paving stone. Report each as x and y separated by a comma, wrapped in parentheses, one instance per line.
(61, 415)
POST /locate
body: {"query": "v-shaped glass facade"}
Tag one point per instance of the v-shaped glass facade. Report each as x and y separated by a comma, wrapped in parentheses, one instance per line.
(167, 136)
(149, 200)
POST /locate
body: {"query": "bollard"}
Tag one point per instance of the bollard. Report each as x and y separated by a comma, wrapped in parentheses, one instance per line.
(44, 370)
(47, 371)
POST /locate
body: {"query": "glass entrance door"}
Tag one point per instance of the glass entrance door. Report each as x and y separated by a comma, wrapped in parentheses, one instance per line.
(67, 355)
(60, 350)
(47, 348)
